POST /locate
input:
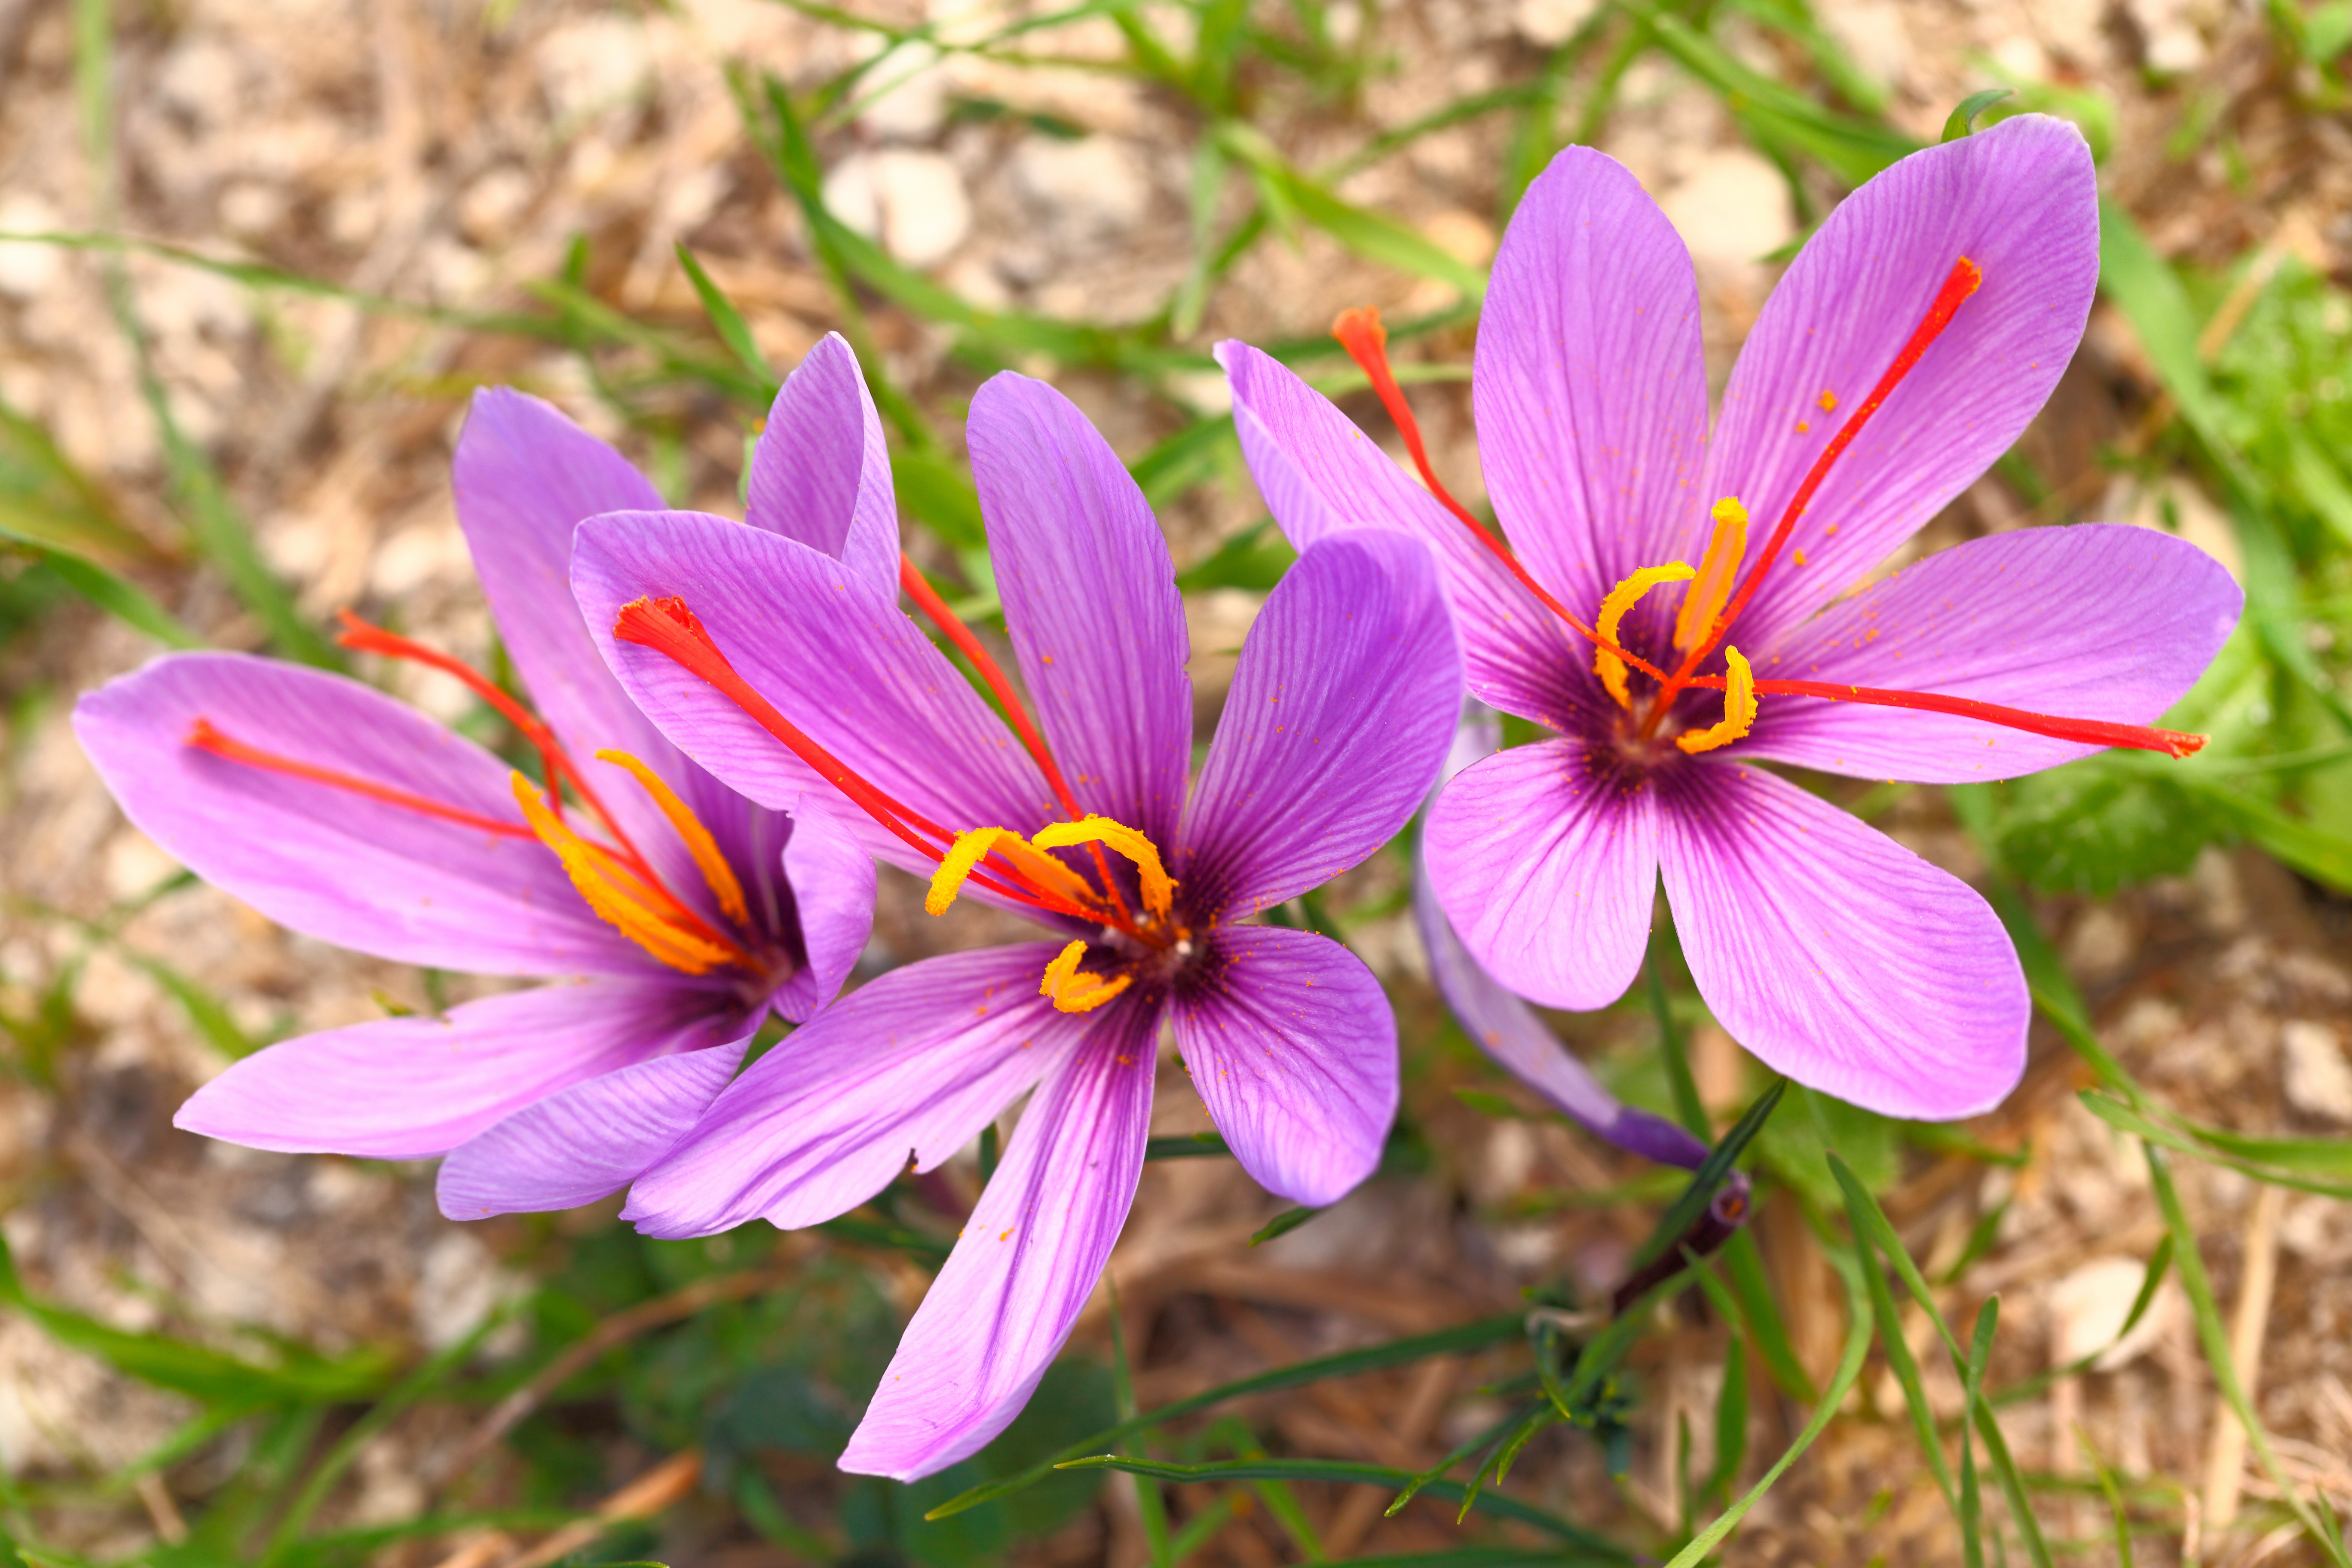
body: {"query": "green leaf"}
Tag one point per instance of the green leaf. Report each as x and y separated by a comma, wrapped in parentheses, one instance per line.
(46, 501)
(1283, 1223)
(198, 1371)
(940, 493)
(2097, 825)
(1596, 1548)
(1849, 1368)
(1474, 1335)
(1371, 236)
(1678, 1220)
(1962, 121)
(2167, 1135)
(2214, 1335)
(1186, 1146)
(123, 601)
(1253, 559)
(725, 319)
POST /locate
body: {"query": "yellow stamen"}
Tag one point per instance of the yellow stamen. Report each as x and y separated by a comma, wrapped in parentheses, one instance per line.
(1622, 598)
(1158, 886)
(716, 873)
(969, 849)
(1074, 992)
(1717, 570)
(616, 895)
(1738, 708)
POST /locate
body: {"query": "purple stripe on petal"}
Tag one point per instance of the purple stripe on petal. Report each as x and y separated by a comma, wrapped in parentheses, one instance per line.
(1545, 857)
(1836, 955)
(1321, 475)
(331, 863)
(2096, 621)
(1026, 1262)
(402, 1087)
(1340, 717)
(910, 1066)
(820, 471)
(1508, 1031)
(1090, 602)
(1292, 1045)
(832, 892)
(587, 1141)
(1590, 383)
(2021, 201)
(832, 653)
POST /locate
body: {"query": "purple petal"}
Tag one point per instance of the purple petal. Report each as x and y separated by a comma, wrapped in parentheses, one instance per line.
(2096, 621)
(1341, 714)
(1590, 383)
(1836, 955)
(400, 1089)
(1508, 1031)
(2021, 201)
(1293, 1048)
(837, 657)
(1545, 861)
(1026, 1262)
(525, 476)
(587, 1141)
(1320, 475)
(831, 883)
(910, 1066)
(820, 472)
(1090, 602)
(328, 862)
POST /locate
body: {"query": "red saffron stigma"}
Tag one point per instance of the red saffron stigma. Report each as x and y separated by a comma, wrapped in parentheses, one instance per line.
(919, 589)
(674, 631)
(1958, 284)
(2089, 731)
(1359, 332)
(205, 737)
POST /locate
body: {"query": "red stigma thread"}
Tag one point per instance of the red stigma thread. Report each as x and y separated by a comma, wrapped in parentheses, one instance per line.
(919, 589)
(1359, 332)
(205, 737)
(2089, 731)
(670, 628)
(1958, 284)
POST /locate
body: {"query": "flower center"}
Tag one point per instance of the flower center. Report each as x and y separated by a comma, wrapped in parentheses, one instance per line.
(996, 859)
(1710, 607)
(614, 879)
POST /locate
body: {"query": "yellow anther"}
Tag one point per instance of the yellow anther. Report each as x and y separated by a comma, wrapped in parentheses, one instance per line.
(617, 895)
(1159, 888)
(1738, 708)
(1040, 870)
(1074, 992)
(716, 873)
(1622, 598)
(1716, 570)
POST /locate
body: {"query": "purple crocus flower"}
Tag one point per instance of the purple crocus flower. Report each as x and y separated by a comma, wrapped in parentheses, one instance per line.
(1908, 345)
(669, 915)
(802, 683)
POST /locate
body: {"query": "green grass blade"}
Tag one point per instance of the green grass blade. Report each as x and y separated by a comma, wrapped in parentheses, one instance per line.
(1849, 1368)
(124, 600)
(1477, 1334)
(726, 320)
(1352, 1470)
(1185, 1146)
(1678, 1220)
(1972, 1514)
(1899, 1359)
(1281, 1224)
(2214, 1334)
(2163, 1134)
